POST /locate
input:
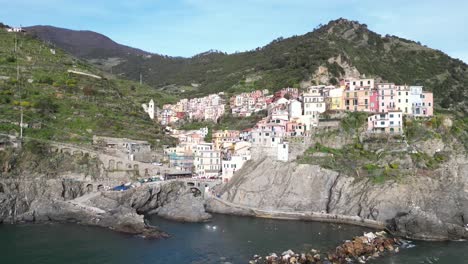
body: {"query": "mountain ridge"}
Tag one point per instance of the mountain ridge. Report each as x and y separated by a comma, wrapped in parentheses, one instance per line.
(332, 51)
(89, 41)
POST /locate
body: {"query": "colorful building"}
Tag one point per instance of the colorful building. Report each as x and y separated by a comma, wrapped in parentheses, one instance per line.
(388, 122)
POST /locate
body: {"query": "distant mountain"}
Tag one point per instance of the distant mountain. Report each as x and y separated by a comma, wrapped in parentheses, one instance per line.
(341, 48)
(84, 44)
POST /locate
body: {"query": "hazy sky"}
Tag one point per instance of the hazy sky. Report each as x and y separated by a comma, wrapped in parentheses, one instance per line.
(188, 27)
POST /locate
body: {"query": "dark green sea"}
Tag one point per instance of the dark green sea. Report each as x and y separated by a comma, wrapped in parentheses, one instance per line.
(227, 239)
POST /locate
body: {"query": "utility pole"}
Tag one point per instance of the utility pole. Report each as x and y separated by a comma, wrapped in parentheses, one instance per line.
(20, 100)
(19, 87)
(141, 79)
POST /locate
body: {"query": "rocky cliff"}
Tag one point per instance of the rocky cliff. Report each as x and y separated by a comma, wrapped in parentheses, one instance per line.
(433, 206)
(63, 200)
(42, 186)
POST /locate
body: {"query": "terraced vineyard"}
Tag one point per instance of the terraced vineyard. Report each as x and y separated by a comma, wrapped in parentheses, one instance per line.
(64, 106)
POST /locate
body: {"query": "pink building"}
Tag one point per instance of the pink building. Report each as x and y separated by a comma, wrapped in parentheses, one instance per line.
(374, 100)
(387, 97)
(294, 128)
(428, 104)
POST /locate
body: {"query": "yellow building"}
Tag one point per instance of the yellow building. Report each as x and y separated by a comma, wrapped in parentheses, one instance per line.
(225, 136)
(334, 100)
(403, 102)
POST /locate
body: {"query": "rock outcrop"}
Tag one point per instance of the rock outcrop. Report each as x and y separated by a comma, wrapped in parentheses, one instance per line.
(63, 200)
(431, 205)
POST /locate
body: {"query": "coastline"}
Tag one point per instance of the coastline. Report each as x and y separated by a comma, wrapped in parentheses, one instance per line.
(216, 205)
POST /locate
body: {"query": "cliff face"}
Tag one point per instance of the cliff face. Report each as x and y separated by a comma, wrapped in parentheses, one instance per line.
(60, 187)
(432, 207)
(62, 200)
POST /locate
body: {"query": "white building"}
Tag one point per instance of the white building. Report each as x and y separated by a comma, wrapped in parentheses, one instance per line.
(207, 161)
(15, 29)
(354, 84)
(313, 101)
(295, 109)
(388, 122)
(149, 109)
(233, 164)
(283, 151)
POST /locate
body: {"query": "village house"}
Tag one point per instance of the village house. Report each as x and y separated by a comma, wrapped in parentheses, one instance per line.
(234, 158)
(422, 103)
(334, 99)
(15, 29)
(225, 136)
(313, 101)
(131, 149)
(245, 104)
(208, 108)
(387, 93)
(403, 102)
(287, 93)
(389, 122)
(180, 158)
(206, 161)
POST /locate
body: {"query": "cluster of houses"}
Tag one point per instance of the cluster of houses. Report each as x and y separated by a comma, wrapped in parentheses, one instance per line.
(208, 108)
(14, 29)
(292, 112)
(245, 104)
(223, 156)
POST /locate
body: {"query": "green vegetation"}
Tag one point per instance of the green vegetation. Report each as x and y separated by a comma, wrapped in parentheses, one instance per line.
(227, 122)
(36, 157)
(355, 161)
(287, 62)
(353, 122)
(456, 129)
(68, 107)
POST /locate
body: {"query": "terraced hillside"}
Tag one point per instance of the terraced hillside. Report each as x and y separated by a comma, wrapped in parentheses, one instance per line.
(62, 104)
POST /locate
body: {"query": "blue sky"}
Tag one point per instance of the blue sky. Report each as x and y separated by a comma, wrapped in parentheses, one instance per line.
(188, 27)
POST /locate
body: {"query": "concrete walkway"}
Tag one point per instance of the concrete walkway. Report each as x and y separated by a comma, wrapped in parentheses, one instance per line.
(81, 203)
(301, 215)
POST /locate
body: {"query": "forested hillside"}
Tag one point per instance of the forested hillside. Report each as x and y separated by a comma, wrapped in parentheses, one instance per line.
(340, 48)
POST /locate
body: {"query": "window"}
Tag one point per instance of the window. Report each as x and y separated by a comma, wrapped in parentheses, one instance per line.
(368, 82)
(391, 122)
(399, 93)
(382, 123)
(429, 104)
(383, 104)
(399, 100)
(406, 100)
(406, 94)
(391, 115)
